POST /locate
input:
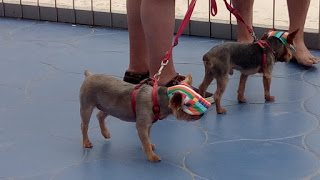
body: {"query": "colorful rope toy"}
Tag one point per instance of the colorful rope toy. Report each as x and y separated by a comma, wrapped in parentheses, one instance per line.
(282, 36)
(194, 103)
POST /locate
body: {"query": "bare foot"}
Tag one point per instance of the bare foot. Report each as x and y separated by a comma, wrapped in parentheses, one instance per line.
(304, 56)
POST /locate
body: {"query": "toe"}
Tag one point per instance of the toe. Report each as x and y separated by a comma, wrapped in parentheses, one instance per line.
(315, 60)
(305, 61)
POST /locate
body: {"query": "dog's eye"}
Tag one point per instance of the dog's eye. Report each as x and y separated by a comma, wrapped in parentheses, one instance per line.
(284, 54)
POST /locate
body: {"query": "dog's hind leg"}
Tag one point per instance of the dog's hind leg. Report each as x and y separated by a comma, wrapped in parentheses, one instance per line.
(242, 86)
(208, 77)
(85, 112)
(101, 116)
(222, 82)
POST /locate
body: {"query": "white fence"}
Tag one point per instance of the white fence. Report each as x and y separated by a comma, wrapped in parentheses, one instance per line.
(268, 14)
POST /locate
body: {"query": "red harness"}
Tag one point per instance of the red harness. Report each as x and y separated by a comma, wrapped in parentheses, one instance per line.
(156, 107)
(263, 45)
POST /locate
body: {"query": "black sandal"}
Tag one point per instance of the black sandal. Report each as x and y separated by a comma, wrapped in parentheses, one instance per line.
(176, 80)
(134, 78)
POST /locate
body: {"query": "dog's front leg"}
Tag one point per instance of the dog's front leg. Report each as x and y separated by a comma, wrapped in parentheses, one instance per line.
(221, 87)
(242, 87)
(143, 132)
(153, 146)
(266, 85)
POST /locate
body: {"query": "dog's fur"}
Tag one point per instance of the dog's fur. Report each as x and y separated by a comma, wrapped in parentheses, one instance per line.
(220, 61)
(113, 97)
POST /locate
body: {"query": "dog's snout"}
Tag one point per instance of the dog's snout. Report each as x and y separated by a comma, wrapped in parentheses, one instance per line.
(197, 117)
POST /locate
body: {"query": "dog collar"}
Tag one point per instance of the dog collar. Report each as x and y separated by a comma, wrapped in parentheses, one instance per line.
(194, 103)
(282, 36)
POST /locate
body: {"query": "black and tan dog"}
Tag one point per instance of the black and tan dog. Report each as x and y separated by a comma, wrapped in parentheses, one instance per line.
(248, 58)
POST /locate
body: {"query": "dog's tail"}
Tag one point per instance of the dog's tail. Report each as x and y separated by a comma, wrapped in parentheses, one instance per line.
(87, 73)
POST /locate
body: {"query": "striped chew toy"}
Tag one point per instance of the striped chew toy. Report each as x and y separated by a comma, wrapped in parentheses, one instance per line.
(194, 103)
(282, 36)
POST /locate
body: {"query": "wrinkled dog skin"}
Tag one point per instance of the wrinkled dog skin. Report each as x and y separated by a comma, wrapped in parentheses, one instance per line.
(113, 97)
(220, 61)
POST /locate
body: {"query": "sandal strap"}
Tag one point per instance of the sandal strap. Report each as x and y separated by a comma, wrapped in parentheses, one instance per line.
(176, 80)
(134, 78)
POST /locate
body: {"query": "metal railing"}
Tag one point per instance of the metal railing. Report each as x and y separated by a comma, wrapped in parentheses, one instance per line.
(112, 13)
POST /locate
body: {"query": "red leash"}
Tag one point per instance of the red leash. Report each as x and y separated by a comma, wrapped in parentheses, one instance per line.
(185, 21)
(237, 15)
(184, 24)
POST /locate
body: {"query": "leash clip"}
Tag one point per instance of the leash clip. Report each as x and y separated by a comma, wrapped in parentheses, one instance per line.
(254, 36)
(163, 64)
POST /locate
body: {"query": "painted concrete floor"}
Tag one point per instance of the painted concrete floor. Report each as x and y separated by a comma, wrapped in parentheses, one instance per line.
(41, 70)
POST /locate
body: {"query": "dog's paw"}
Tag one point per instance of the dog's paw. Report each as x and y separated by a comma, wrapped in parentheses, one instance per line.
(242, 100)
(270, 98)
(153, 147)
(87, 144)
(221, 111)
(106, 134)
(154, 158)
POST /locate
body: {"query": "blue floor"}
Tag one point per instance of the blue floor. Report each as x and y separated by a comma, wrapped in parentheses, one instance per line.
(41, 71)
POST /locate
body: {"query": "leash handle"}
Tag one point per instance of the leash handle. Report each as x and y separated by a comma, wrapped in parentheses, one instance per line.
(213, 9)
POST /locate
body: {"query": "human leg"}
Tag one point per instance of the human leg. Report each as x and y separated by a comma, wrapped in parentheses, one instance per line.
(158, 19)
(137, 44)
(298, 10)
(245, 9)
(151, 28)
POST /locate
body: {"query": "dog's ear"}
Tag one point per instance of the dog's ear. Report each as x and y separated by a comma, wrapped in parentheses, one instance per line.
(265, 36)
(176, 100)
(188, 80)
(291, 36)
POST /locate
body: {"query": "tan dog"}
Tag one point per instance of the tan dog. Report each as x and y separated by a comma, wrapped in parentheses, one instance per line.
(113, 97)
